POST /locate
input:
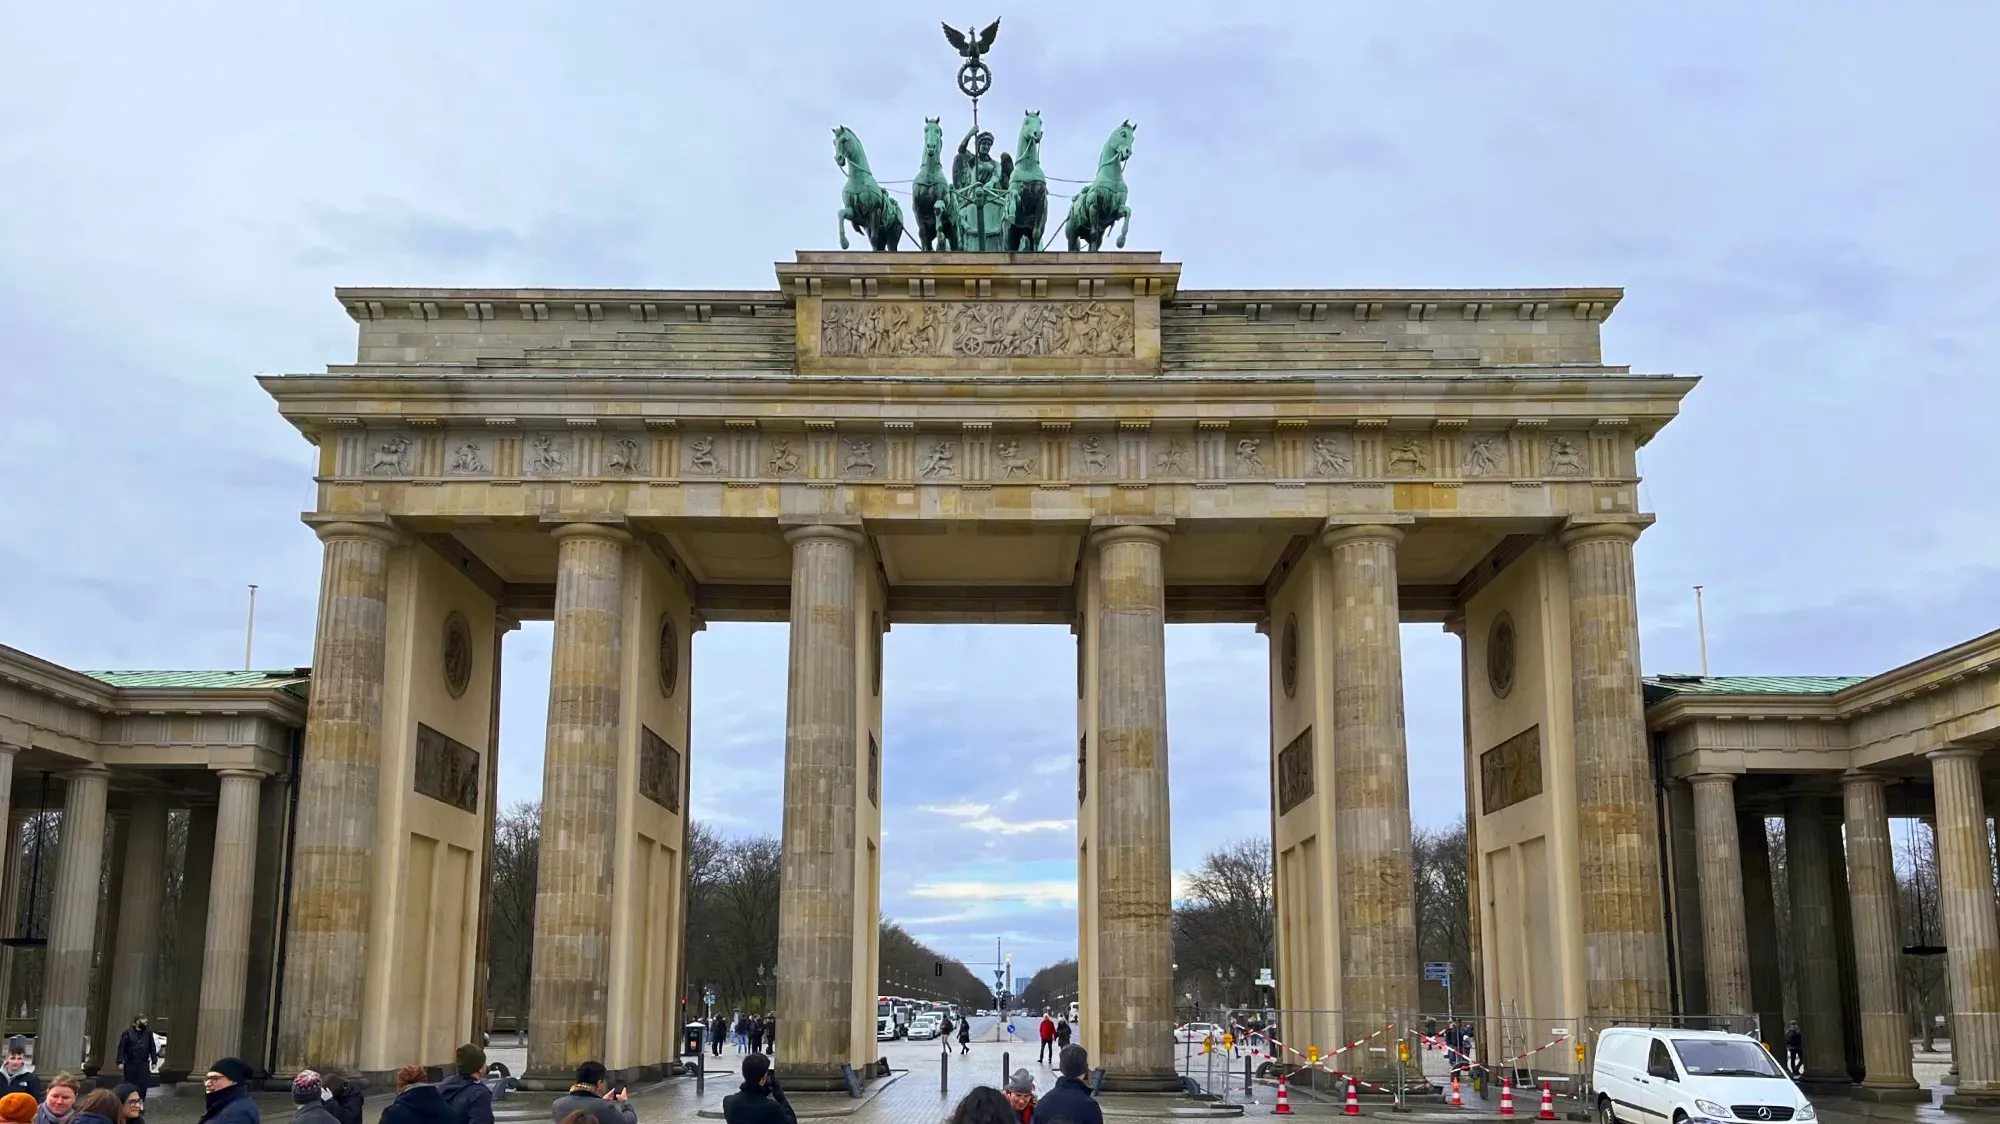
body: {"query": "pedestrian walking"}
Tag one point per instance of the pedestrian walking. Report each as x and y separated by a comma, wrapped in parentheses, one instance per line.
(311, 1096)
(594, 1096)
(16, 1075)
(742, 1034)
(228, 1099)
(137, 1051)
(59, 1103)
(965, 1036)
(465, 1092)
(18, 1108)
(760, 1099)
(717, 1031)
(417, 1100)
(1070, 1099)
(1047, 1054)
(1795, 1050)
(1062, 1033)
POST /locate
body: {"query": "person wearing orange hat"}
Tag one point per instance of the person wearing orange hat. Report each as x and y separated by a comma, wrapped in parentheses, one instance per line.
(17, 1108)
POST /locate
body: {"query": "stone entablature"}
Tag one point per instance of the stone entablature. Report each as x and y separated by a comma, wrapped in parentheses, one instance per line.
(1889, 722)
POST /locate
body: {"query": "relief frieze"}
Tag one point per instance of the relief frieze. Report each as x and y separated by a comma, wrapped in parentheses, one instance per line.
(976, 329)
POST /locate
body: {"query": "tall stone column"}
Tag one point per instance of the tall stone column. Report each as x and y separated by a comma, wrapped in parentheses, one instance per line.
(334, 844)
(1618, 828)
(1808, 875)
(482, 975)
(1135, 973)
(1971, 928)
(225, 961)
(10, 880)
(1871, 891)
(141, 919)
(1371, 789)
(184, 1005)
(1725, 942)
(73, 922)
(568, 1000)
(816, 888)
(1760, 918)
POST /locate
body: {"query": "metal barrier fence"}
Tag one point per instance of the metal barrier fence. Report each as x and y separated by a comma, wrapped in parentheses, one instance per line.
(1408, 1058)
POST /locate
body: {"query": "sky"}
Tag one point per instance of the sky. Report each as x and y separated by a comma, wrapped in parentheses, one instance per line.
(1799, 200)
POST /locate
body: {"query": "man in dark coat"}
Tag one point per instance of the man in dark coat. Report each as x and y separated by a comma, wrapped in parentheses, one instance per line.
(465, 1091)
(137, 1051)
(1070, 1100)
(760, 1100)
(228, 1098)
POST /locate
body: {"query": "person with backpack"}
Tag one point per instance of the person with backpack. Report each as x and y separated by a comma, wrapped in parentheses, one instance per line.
(465, 1092)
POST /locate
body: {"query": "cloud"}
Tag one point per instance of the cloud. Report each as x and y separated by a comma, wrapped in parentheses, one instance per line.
(1034, 893)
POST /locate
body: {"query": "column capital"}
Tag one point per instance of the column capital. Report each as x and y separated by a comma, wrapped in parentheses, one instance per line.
(1454, 623)
(239, 771)
(825, 532)
(1953, 751)
(1128, 532)
(1713, 778)
(1582, 529)
(584, 529)
(351, 528)
(1337, 534)
(1857, 779)
(84, 772)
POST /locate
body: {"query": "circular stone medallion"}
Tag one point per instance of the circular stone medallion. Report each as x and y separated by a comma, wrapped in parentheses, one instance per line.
(670, 657)
(1288, 656)
(457, 653)
(1500, 656)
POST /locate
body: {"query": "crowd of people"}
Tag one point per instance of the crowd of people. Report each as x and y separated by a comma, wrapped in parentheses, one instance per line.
(752, 1034)
(761, 1100)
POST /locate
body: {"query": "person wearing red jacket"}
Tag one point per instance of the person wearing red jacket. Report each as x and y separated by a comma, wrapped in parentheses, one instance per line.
(1048, 1052)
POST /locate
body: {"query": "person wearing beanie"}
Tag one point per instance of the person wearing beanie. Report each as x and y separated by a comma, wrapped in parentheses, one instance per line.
(1020, 1093)
(18, 1108)
(470, 1098)
(226, 1086)
(310, 1094)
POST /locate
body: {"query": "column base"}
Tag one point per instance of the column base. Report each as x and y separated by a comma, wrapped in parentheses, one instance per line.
(1827, 1086)
(1986, 1100)
(1143, 1081)
(815, 1078)
(1892, 1094)
(543, 1081)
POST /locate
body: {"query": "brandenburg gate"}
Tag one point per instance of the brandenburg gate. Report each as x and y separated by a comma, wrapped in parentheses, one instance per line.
(1062, 438)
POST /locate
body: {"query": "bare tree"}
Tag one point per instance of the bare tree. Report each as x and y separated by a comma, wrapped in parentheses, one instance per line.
(510, 940)
(1052, 989)
(1443, 911)
(1226, 923)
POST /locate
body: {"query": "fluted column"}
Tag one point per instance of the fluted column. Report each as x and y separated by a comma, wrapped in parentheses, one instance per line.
(816, 888)
(184, 1005)
(1871, 891)
(568, 1001)
(10, 870)
(141, 919)
(334, 841)
(1808, 876)
(1725, 942)
(225, 961)
(1134, 861)
(1618, 829)
(1971, 929)
(73, 922)
(1371, 789)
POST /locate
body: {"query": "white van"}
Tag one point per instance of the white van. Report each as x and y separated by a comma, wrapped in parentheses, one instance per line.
(1649, 1075)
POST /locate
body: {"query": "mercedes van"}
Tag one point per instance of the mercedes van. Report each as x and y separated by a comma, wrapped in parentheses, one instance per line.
(1654, 1075)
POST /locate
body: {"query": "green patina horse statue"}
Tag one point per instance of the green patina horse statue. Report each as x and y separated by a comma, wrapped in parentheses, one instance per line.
(863, 202)
(930, 193)
(1027, 208)
(1094, 209)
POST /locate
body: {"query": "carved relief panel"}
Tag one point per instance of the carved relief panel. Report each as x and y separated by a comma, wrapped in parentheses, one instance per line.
(975, 329)
(447, 770)
(659, 770)
(1511, 771)
(1295, 771)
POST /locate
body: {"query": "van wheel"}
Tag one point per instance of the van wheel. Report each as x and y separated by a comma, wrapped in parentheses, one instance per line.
(1605, 1113)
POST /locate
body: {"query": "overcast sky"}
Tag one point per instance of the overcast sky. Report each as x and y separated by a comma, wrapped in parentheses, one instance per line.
(1799, 199)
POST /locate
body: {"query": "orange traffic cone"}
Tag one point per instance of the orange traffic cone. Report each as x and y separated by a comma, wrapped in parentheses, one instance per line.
(1284, 1103)
(1353, 1107)
(1548, 1104)
(1506, 1096)
(1456, 1100)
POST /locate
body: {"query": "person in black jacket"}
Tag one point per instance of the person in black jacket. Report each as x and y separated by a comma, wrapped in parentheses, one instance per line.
(417, 1101)
(1070, 1099)
(137, 1051)
(470, 1098)
(344, 1097)
(760, 1100)
(15, 1076)
(228, 1100)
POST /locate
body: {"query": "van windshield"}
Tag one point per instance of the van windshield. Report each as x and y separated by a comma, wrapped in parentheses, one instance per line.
(1724, 1057)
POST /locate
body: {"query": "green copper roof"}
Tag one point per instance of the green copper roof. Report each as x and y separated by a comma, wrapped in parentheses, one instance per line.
(1753, 684)
(290, 679)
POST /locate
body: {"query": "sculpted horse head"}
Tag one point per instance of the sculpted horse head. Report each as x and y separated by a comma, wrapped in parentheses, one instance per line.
(1117, 149)
(933, 139)
(848, 154)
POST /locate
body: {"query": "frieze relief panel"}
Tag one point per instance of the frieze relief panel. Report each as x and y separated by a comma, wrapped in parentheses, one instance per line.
(1295, 771)
(446, 770)
(1511, 771)
(976, 329)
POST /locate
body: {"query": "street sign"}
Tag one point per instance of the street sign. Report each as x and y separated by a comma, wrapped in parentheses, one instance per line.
(1264, 978)
(1437, 970)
